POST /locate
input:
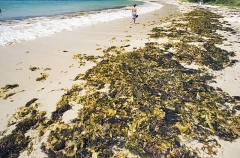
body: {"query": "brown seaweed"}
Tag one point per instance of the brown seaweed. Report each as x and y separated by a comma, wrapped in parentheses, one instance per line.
(144, 102)
(9, 95)
(31, 102)
(199, 25)
(26, 118)
(6, 88)
(152, 100)
(10, 86)
(43, 76)
(13, 144)
(34, 68)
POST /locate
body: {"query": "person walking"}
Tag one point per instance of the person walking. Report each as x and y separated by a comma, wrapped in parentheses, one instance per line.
(134, 14)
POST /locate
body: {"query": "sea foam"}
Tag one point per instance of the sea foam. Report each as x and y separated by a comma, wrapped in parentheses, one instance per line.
(15, 31)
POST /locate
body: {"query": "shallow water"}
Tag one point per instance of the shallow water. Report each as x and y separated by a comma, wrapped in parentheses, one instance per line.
(20, 9)
(42, 18)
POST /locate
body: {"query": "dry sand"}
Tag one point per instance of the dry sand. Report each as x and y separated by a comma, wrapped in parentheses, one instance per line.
(56, 52)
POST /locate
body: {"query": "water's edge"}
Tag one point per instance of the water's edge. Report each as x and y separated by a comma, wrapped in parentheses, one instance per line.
(16, 31)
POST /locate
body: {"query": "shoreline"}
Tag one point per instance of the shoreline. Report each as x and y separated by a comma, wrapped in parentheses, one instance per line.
(76, 8)
(15, 31)
(56, 52)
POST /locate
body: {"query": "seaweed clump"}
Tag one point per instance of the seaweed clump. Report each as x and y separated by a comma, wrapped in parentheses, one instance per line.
(26, 118)
(152, 107)
(48, 68)
(64, 104)
(6, 88)
(34, 68)
(43, 76)
(198, 26)
(83, 58)
(12, 145)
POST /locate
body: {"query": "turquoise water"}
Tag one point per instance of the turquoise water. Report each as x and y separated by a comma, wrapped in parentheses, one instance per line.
(23, 20)
(20, 9)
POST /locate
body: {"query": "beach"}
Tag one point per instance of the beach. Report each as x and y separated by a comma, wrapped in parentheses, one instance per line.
(22, 63)
(56, 52)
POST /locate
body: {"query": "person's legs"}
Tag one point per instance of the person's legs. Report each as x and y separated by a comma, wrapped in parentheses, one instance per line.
(133, 18)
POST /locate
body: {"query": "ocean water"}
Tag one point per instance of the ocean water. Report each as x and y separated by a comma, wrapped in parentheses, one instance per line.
(23, 20)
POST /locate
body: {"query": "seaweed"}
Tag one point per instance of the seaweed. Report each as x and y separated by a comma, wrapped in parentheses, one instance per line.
(42, 77)
(48, 68)
(59, 111)
(6, 88)
(10, 86)
(152, 100)
(144, 102)
(152, 105)
(34, 68)
(200, 26)
(26, 118)
(13, 144)
(9, 95)
(31, 102)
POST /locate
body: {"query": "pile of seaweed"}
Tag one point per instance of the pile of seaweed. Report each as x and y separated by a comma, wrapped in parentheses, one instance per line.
(143, 102)
(5, 89)
(198, 26)
(153, 103)
(25, 119)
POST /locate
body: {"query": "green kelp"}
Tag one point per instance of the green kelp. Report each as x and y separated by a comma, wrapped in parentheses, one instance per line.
(198, 26)
(153, 102)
